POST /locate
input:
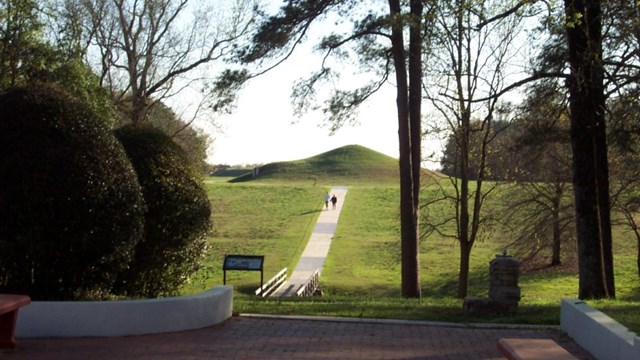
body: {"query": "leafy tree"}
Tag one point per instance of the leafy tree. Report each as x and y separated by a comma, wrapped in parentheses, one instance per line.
(21, 31)
(193, 141)
(498, 162)
(620, 21)
(71, 209)
(588, 141)
(538, 208)
(31, 57)
(177, 217)
(376, 41)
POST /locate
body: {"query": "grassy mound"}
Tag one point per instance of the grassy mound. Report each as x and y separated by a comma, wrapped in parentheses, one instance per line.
(352, 164)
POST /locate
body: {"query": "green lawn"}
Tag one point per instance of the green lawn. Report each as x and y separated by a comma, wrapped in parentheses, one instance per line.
(361, 277)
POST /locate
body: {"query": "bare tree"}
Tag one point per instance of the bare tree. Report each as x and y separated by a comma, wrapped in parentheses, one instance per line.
(474, 42)
(147, 51)
(624, 155)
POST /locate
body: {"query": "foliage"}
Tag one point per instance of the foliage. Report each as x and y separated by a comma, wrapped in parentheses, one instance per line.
(497, 163)
(537, 209)
(21, 39)
(193, 141)
(539, 219)
(29, 58)
(624, 157)
(177, 217)
(71, 209)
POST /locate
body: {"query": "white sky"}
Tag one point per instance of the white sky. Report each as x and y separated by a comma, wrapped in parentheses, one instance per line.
(263, 128)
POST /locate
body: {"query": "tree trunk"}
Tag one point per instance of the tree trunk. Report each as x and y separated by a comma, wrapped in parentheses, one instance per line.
(415, 99)
(408, 218)
(555, 256)
(588, 141)
(463, 276)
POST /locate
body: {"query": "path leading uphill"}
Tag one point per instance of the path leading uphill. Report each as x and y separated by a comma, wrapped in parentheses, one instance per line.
(317, 248)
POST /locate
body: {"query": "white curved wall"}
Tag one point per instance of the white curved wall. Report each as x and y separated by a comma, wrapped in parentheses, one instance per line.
(125, 317)
(598, 333)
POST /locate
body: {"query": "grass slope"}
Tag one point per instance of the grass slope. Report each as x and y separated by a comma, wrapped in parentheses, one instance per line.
(347, 165)
(275, 221)
(275, 215)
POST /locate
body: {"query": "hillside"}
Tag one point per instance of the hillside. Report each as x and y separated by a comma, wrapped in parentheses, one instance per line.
(351, 164)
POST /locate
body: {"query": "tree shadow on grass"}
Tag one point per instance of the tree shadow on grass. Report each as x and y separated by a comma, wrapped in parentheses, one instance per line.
(310, 212)
(633, 295)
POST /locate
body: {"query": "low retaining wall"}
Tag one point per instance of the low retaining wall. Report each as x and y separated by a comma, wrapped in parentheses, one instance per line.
(598, 333)
(125, 317)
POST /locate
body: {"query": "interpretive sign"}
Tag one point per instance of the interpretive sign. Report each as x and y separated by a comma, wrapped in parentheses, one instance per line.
(243, 262)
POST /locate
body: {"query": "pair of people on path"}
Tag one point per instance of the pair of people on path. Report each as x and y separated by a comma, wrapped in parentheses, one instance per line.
(333, 199)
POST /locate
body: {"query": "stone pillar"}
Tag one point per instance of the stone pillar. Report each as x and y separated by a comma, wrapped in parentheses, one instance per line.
(504, 272)
(504, 293)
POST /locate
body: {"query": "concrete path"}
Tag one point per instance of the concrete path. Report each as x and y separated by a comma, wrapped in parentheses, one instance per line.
(317, 249)
(267, 338)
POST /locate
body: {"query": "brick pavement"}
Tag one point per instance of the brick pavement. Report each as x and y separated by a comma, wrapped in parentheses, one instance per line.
(290, 338)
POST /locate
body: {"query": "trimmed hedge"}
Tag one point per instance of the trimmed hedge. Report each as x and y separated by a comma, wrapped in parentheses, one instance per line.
(71, 208)
(178, 216)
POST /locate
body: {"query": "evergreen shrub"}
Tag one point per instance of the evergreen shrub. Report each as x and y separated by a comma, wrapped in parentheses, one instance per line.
(177, 218)
(71, 207)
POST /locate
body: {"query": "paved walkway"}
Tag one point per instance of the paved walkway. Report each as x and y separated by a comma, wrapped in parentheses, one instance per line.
(317, 249)
(268, 338)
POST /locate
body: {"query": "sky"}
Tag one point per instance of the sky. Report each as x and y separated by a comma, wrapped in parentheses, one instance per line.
(263, 129)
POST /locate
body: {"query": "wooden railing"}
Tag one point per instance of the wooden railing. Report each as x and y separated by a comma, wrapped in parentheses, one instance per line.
(273, 284)
(310, 286)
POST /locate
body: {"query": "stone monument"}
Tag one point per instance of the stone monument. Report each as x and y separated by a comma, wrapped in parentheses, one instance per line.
(504, 293)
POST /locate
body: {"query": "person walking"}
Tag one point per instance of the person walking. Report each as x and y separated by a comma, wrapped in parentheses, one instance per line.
(326, 200)
(334, 201)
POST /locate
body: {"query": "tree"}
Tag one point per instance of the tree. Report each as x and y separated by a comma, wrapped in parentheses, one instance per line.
(589, 146)
(621, 57)
(20, 40)
(377, 39)
(151, 50)
(538, 207)
(472, 45)
(30, 57)
(193, 141)
(624, 155)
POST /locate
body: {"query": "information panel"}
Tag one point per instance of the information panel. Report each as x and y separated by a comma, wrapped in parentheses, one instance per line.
(243, 262)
